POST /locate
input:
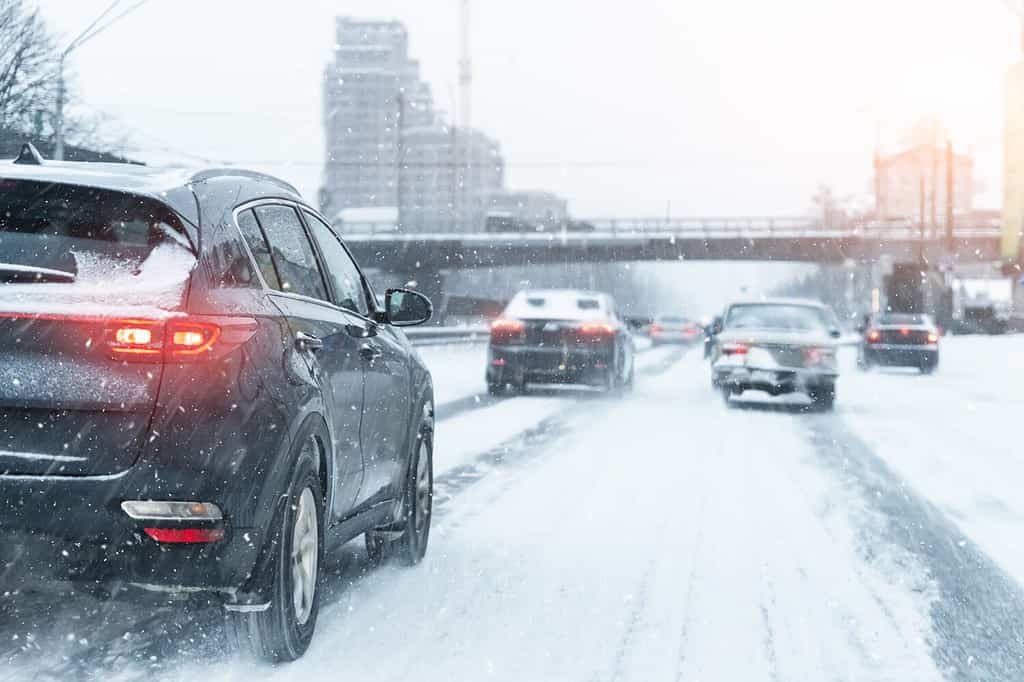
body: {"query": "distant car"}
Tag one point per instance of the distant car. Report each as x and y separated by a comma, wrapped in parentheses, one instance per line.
(778, 347)
(224, 399)
(559, 336)
(900, 340)
(668, 328)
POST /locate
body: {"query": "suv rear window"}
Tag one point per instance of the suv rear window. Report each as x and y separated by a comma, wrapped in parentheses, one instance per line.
(67, 228)
(93, 245)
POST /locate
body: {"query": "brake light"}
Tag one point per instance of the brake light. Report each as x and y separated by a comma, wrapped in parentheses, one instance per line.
(177, 340)
(507, 331)
(655, 328)
(874, 336)
(185, 536)
(904, 332)
(933, 337)
(596, 331)
(735, 349)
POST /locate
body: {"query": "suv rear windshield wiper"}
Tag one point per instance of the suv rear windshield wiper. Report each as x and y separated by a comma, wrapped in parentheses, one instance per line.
(20, 274)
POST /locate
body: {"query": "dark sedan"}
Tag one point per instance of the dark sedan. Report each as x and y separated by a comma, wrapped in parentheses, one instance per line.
(900, 340)
(199, 394)
(560, 336)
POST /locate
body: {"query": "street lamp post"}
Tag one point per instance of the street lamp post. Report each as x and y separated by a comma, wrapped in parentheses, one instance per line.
(90, 32)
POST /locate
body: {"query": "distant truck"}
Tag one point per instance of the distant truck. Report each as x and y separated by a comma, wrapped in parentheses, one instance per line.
(982, 306)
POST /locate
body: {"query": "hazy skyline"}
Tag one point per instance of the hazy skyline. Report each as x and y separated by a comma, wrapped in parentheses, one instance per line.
(725, 108)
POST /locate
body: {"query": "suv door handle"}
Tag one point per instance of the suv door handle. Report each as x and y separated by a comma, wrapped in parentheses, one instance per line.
(308, 342)
(369, 351)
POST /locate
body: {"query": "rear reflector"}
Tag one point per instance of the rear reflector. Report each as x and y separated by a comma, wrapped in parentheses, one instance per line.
(174, 510)
(185, 536)
(874, 336)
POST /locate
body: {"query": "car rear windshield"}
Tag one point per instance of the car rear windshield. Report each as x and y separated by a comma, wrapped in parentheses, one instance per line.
(898, 318)
(671, 319)
(561, 305)
(776, 316)
(74, 238)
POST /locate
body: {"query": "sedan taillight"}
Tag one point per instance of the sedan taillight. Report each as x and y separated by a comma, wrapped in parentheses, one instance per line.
(735, 349)
(505, 331)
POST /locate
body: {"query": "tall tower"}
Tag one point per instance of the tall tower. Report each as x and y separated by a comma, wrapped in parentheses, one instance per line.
(465, 68)
(1013, 153)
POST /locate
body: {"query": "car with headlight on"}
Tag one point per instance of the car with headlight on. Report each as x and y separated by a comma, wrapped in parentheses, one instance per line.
(900, 340)
(779, 347)
(559, 337)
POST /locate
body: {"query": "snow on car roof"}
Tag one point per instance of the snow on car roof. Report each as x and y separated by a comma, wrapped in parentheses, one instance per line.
(561, 304)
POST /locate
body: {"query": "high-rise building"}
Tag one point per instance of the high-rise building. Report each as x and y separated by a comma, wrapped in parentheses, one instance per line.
(1013, 170)
(386, 145)
(371, 90)
(915, 179)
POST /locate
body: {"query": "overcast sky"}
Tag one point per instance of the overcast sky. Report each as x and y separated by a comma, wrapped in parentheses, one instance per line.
(725, 107)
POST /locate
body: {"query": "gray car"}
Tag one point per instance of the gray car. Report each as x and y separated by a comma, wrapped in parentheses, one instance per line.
(776, 346)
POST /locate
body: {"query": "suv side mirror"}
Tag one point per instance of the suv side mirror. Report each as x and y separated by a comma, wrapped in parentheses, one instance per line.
(834, 333)
(404, 308)
(716, 326)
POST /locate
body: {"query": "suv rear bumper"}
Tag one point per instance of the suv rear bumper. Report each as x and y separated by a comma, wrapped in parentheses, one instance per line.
(73, 529)
(898, 356)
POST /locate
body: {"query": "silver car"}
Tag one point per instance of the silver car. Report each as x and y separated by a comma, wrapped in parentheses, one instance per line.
(776, 346)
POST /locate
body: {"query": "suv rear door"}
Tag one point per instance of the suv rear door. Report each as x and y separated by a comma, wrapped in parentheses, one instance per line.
(325, 336)
(82, 270)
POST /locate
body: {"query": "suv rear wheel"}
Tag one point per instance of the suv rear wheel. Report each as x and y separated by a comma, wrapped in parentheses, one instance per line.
(283, 631)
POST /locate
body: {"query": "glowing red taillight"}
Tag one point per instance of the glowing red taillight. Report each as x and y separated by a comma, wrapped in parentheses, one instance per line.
(874, 336)
(507, 331)
(904, 332)
(185, 536)
(735, 349)
(176, 340)
(655, 328)
(933, 337)
(595, 332)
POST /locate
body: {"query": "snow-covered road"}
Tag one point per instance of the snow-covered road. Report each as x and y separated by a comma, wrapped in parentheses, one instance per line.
(661, 536)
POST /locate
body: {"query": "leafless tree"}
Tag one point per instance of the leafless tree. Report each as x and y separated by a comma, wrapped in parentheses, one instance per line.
(28, 67)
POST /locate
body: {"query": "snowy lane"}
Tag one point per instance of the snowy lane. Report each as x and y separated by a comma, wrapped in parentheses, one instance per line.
(660, 536)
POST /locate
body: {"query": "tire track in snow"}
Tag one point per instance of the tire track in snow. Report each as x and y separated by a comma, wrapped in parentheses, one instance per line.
(978, 617)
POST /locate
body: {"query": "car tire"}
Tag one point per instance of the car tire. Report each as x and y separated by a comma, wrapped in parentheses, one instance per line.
(495, 389)
(406, 542)
(283, 631)
(726, 393)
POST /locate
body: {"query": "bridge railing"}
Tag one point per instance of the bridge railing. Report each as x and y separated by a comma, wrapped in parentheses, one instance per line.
(708, 228)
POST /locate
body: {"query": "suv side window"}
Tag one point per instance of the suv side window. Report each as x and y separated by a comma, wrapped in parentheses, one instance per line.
(342, 272)
(257, 242)
(291, 251)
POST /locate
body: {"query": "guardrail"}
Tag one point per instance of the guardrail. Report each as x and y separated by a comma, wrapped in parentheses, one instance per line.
(436, 336)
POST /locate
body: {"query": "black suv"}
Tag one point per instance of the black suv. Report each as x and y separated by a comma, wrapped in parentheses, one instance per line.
(199, 393)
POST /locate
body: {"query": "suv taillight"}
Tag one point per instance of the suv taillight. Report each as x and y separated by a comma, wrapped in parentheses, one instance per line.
(177, 340)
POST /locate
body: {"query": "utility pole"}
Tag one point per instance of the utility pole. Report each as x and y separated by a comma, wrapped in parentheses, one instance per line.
(90, 32)
(921, 213)
(399, 157)
(950, 199)
(465, 114)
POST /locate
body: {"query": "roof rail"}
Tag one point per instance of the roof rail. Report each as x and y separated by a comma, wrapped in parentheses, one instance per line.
(29, 156)
(211, 173)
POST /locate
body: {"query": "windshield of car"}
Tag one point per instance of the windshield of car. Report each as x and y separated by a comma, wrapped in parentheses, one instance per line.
(898, 319)
(511, 340)
(795, 318)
